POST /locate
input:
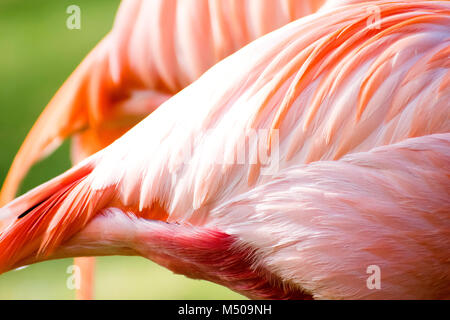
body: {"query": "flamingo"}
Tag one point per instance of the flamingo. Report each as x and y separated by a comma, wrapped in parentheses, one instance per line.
(155, 49)
(353, 122)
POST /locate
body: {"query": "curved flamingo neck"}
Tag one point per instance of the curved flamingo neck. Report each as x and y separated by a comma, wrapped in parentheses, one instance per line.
(213, 255)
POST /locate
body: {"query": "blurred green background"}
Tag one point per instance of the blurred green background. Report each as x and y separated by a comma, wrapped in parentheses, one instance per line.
(37, 53)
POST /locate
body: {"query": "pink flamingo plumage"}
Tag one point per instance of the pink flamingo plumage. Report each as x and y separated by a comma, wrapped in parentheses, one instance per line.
(154, 50)
(359, 174)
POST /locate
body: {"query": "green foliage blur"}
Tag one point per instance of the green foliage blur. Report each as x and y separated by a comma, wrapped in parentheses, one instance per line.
(37, 53)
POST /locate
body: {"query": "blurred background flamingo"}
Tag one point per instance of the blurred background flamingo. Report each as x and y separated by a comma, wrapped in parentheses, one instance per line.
(325, 111)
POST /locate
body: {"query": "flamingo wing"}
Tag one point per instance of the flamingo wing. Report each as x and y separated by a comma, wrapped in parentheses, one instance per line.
(311, 232)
